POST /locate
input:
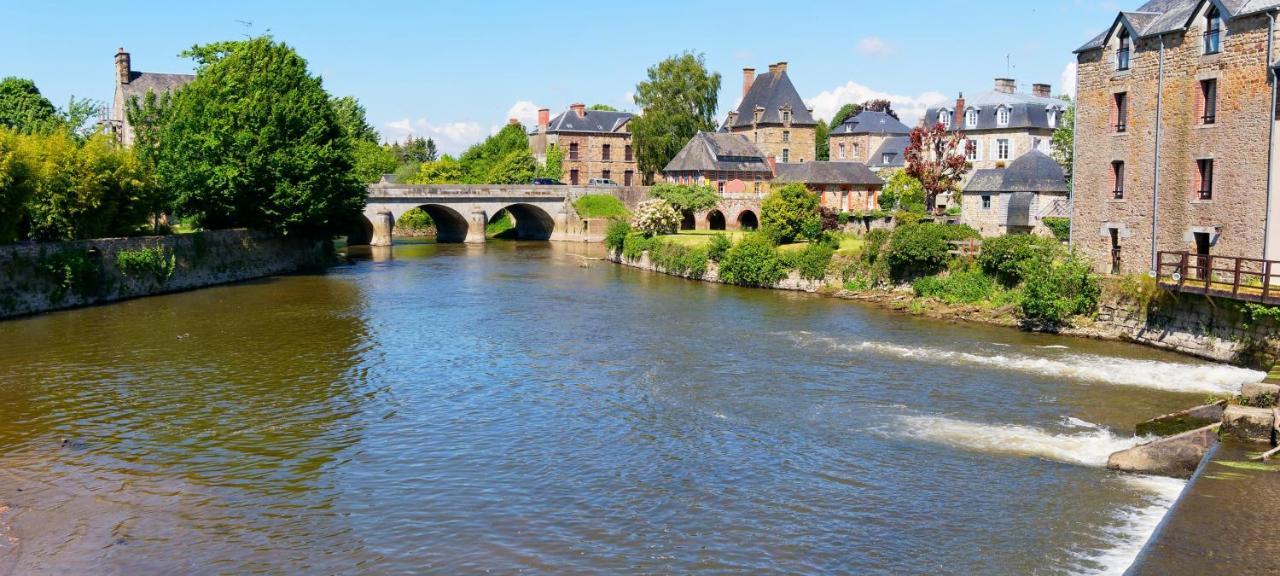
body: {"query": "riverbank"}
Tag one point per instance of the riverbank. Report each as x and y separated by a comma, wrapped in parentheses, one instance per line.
(53, 276)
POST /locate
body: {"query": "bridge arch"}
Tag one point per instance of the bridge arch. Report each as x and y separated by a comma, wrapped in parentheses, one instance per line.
(747, 220)
(715, 220)
(532, 222)
(359, 231)
(451, 226)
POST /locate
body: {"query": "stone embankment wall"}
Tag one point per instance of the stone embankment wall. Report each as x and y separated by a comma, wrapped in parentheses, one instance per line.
(792, 282)
(52, 276)
(1215, 329)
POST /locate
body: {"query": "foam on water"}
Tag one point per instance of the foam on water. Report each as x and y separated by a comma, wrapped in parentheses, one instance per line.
(1200, 378)
(1086, 448)
(1136, 524)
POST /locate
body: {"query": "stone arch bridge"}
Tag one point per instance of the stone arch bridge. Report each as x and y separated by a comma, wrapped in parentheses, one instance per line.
(461, 211)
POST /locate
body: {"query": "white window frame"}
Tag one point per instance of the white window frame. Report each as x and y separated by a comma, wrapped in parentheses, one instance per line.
(1004, 147)
(1052, 116)
(944, 118)
(967, 156)
(786, 155)
(886, 158)
(971, 118)
(986, 201)
(841, 148)
(1002, 116)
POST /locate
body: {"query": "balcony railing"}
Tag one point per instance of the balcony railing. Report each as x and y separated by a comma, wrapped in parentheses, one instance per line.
(1250, 279)
(1212, 42)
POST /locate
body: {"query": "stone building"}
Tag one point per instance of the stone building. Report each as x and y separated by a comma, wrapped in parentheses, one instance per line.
(1017, 199)
(891, 155)
(729, 162)
(774, 117)
(1002, 124)
(595, 144)
(1174, 134)
(859, 137)
(840, 186)
(131, 84)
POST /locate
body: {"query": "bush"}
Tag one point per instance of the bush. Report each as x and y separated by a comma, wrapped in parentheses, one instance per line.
(72, 271)
(1061, 227)
(151, 261)
(678, 258)
(812, 262)
(956, 287)
(842, 218)
(600, 206)
(753, 261)
(1004, 257)
(686, 197)
(634, 245)
(904, 218)
(790, 212)
(616, 235)
(918, 250)
(1054, 292)
(902, 192)
(655, 217)
(719, 245)
(872, 244)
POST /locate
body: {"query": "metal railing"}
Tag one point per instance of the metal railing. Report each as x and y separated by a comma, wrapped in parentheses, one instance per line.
(1251, 279)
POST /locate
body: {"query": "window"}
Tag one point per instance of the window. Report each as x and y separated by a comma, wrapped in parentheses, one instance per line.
(1051, 116)
(886, 158)
(573, 150)
(720, 187)
(786, 155)
(1204, 175)
(626, 153)
(944, 118)
(1209, 101)
(1121, 111)
(1002, 149)
(971, 119)
(605, 175)
(986, 202)
(628, 177)
(840, 153)
(1122, 55)
(756, 186)
(1117, 180)
(856, 151)
(605, 152)
(786, 117)
(786, 135)
(758, 114)
(1002, 116)
(971, 150)
(573, 177)
(1212, 30)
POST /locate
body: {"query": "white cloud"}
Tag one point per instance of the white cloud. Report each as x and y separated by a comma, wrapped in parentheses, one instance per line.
(1068, 80)
(524, 111)
(450, 137)
(873, 46)
(909, 108)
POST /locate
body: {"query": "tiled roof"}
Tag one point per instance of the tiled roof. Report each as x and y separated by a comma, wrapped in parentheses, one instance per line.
(591, 121)
(142, 82)
(871, 122)
(772, 91)
(820, 172)
(1163, 16)
(897, 147)
(719, 151)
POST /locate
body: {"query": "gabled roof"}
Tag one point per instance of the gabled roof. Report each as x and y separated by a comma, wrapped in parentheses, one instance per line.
(897, 146)
(1164, 16)
(1034, 171)
(1025, 111)
(772, 91)
(719, 151)
(591, 122)
(822, 172)
(871, 122)
(142, 82)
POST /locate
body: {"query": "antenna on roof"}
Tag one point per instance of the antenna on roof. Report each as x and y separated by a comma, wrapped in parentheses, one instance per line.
(248, 25)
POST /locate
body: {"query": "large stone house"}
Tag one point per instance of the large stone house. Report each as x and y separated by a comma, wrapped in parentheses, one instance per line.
(1175, 128)
(774, 117)
(594, 143)
(1017, 199)
(859, 137)
(1002, 124)
(131, 84)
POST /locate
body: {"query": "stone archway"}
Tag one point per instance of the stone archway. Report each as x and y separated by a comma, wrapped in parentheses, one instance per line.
(747, 220)
(715, 220)
(360, 231)
(451, 227)
(532, 222)
(687, 221)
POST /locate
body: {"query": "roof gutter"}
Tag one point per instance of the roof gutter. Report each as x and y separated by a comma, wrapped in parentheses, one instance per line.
(1155, 189)
(1271, 136)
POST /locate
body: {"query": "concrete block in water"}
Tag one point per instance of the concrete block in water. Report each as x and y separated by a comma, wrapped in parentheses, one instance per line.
(1248, 424)
(1176, 456)
(1180, 422)
(1260, 393)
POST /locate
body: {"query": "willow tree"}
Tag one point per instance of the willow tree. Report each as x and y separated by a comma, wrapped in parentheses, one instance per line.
(677, 101)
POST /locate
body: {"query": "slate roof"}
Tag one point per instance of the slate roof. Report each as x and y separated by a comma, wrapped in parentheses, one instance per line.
(1164, 16)
(720, 151)
(591, 122)
(772, 91)
(142, 82)
(897, 146)
(822, 172)
(871, 122)
(1025, 111)
(1034, 171)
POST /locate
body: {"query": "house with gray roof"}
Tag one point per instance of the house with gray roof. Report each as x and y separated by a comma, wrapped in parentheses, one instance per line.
(860, 135)
(595, 144)
(1016, 199)
(772, 116)
(840, 186)
(890, 155)
(729, 162)
(130, 85)
(1001, 124)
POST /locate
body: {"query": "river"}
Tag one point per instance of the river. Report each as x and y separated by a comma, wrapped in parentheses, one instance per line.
(515, 407)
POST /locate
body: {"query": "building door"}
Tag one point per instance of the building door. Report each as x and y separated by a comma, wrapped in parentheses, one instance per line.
(1115, 250)
(573, 177)
(1202, 255)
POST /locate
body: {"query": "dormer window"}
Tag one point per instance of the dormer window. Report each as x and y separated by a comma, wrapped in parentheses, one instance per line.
(971, 118)
(944, 118)
(786, 117)
(1212, 30)
(759, 114)
(1122, 55)
(1002, 116)
(1051, 116)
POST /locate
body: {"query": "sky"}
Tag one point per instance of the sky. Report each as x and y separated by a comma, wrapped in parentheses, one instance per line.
(456, 71)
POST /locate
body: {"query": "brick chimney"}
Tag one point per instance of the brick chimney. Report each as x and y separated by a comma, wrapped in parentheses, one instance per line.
(124, 69)
(773, 163)
(958, 115)
(782, 67)
(1042, 90)
(1006, 85)
(773, 69)
(748, 77)
(544, 118)
(580, 109)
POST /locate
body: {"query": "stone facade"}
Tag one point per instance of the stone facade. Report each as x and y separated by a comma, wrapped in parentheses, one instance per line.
(131, 84)
(1019, 141)
(853, 147)
(1233, 220)
(985, 212)
(787, 143)
(594, 144)
(772, 116)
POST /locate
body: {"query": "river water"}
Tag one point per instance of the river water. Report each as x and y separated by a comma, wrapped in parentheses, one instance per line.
(515, 407)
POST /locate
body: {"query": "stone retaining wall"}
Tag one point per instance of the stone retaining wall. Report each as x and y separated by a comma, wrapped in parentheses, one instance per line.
(1215, 329)
(52, 276)
(792, 282)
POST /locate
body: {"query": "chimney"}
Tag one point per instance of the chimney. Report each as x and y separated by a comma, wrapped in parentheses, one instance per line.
(773, 69)
(782, 67)
(580, 109)
(1006, 85)
(958, 115)
(1042, 90)
(748, 76)
(773, 164)
(544, 118)
(124, 69)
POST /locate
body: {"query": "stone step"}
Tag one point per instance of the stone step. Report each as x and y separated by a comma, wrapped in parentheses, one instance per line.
(1260, 394)
(1248, 424)
(1176, 456)
(1179, 422)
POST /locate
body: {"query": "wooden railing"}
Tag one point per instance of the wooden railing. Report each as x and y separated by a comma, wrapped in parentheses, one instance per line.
(1251, 279)
(965, 248)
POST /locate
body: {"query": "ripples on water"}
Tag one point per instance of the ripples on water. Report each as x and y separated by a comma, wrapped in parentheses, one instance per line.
(461, 409)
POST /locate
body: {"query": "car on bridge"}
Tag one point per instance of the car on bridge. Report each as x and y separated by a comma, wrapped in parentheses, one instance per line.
(547, 182)
(601, 182)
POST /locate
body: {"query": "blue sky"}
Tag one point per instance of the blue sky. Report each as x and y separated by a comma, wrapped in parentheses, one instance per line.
(456, 71)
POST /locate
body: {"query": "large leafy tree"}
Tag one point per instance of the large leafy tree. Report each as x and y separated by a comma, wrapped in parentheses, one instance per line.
(789, 213)
(677, 101)
(351, 116)
(844, 113)
(23, 108)
(77, 190)
(1063, 140)
(935, 158)
(880, 105)
(554, 167)
(255, 141)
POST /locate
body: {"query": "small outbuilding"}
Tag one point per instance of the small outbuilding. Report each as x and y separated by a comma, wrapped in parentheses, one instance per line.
(841, 186)
(1017, 199)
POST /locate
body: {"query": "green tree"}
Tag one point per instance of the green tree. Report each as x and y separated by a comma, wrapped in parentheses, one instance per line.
(686, 197)
(429, 152)
(92, 190)
(902, 192)
(371, 160)
(655, 217)
(602, 108)
(1063, 140)
(446, 170)
(254, 141)
(844, 113)
(822, 142)
(23, 108)
(554, 167)
(502, 158)
(16, 185)
(678, 100)
(789, 213)
(351, 116)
